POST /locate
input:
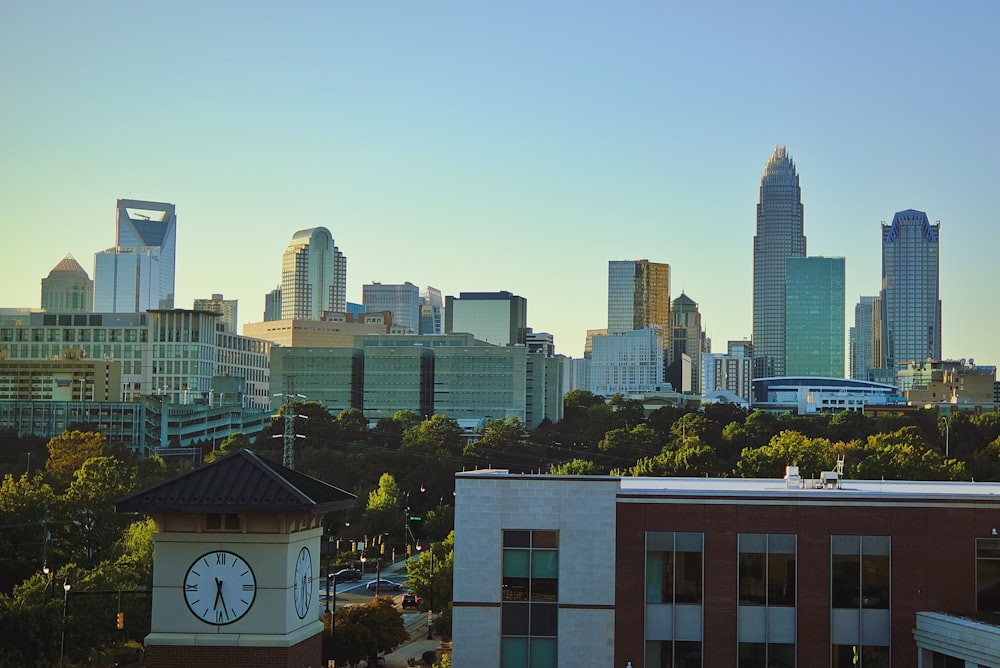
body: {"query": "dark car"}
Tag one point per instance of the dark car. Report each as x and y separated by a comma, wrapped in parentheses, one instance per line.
(411, 601)
(347, 575)
(383, 585)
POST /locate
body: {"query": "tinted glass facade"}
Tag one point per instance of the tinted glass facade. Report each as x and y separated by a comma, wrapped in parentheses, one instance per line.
(814, 317)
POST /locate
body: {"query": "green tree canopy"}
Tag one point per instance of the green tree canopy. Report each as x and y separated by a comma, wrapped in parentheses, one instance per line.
(70, 449)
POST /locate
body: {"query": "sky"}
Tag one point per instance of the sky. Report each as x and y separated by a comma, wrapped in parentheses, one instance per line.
(517, 145)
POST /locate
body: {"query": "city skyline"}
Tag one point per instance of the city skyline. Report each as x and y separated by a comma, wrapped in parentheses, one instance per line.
(512, 147)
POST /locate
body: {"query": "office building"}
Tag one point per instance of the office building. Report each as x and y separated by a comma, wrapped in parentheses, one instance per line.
(313, 276)
(137, 274)
(687, 340)
(727, 373)
(810, 570)
(865, 338)
(68, 288)
(779, 237)
(431, 311)
(335, 330)
(226, 308)
(629, 362)
(402, 300)
(499, 318)
(949, 385)
(272, 305)
(814, 317)
(911, 297)
(638, 296)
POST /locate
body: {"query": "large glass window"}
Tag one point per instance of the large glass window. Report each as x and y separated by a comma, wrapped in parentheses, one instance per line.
(530, 609)
(674, 568)
(988, 575)
(859, 595)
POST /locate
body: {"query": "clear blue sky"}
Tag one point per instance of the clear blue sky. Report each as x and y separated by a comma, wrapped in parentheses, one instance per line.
(479, 146)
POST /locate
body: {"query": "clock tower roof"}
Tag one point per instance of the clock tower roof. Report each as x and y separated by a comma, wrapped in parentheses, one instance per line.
(239, 482)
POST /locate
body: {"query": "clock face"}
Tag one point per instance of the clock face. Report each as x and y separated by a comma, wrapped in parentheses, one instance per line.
(219, 587)
(302, 582)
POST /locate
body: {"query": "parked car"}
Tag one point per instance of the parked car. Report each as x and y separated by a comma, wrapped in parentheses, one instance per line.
(347, 575)
(383, 585)
(411, 601)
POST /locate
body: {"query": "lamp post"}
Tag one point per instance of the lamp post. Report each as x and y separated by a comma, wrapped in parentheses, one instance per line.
(407, 534)
(62, 643)
(947, 450)
(49, 575)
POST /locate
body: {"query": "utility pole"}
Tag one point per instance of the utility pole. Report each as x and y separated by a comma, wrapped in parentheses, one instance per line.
(289, 435)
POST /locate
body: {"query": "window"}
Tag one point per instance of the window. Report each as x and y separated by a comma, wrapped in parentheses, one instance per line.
(767, 569)
(988, 575)
(674, 568)
(859, 598)
(529, 611)
(222, 522)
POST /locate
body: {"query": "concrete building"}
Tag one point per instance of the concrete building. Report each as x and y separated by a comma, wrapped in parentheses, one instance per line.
(687, 339)
(779, 237)
(498, 318)
(69, 377)
(607, 571)
(226, 308)
(627, 362)
(313, 276)
(334, 330)
(814, 317)
(727, 373)
(68, 288)
(403, 301)
(911, 296)
(178, 354)
(949, 384)
(451, 374)
(137, 273)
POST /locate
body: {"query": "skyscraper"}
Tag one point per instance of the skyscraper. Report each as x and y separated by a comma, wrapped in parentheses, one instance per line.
(911, 298)
(500, 318)
(137, 274)
(313, 276)
(227, 308)
(779, 237)
(431, 311)
(866, 347)
(638, 296)
(67, 288)
(686, 338)
(814, 317)
(403, 300)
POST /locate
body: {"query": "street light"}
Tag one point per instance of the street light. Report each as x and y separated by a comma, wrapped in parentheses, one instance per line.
(430, 598)
(49, 577)
(946, 438)
(62, 643)
(407, 534)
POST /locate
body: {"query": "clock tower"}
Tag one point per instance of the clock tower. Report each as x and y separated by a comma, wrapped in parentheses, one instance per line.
(236, 564)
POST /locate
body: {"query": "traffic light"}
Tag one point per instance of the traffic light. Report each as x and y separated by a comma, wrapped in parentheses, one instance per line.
(120, 622)
(409, 549)
(382, 548)
(354, 546)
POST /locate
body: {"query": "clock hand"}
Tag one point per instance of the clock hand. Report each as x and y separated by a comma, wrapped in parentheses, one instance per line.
(218, 594)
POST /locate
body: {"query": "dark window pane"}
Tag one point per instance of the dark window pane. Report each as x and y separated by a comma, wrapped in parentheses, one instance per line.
(544, 618)
(988, 585)
(545, 539)
(875, 581)
(668, 577)
(781, 656)
(845, 581)
(752, 579)
(512, 538)
(544, 589)
(515, 589)
(514, 619)
(988, 548)
(752, 655)
(688, 583)
(781, 579)
(875, 657)
(687, 654)
(845, 656)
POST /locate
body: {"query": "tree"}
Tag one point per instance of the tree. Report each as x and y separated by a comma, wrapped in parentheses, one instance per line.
(438, 435)
(576, 467)
(364, 631)
(386, 496)
(232, 443)
(95, 487)
(353, 425)
(811, 455)
(70, 449)
(27, 506)
(431, 576)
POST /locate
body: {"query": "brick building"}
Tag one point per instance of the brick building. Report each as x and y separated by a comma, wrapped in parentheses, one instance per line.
(566, 571)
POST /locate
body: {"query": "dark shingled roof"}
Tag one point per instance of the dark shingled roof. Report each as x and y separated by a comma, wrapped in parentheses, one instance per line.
(239, 482)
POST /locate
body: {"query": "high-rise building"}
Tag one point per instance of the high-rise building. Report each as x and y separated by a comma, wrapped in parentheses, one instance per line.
(866, 348)
(629, 362)
(686, 338)
(911, 298)
(431, 311)
(226, 308)
(67, 288)
(779, 237)
(272, 305)
(137, 274)
(313, 276)
(638, 295)
(814, 317)
(402, 300)
(500, 318)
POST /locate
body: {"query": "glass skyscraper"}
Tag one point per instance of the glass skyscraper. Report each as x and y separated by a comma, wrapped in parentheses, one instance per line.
(67, 288)
(137, 274)
(638, 295)
(814, 317)
(779, 237)
(499, 318)
(911, 298)
(313, 276)
(403, 300)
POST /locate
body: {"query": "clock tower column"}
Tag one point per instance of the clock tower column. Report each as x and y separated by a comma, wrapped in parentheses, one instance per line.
(235, 565)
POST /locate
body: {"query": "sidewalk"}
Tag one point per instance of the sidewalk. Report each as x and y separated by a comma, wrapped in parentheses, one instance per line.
(412, 650)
